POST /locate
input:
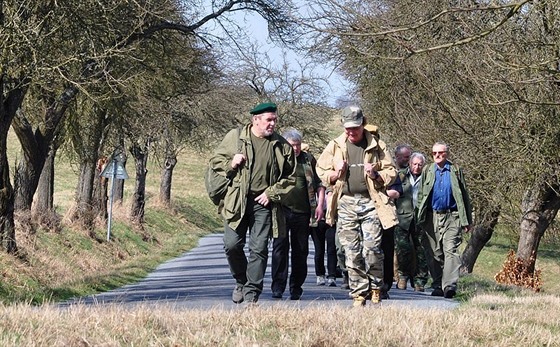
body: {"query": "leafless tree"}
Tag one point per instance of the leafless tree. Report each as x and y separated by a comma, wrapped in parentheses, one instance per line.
(480, 76)
(62, 48)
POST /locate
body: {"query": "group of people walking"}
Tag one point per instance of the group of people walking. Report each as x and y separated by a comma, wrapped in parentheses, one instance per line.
(355, 194)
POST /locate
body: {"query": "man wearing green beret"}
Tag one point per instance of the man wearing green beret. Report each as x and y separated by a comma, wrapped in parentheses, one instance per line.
(262, 166)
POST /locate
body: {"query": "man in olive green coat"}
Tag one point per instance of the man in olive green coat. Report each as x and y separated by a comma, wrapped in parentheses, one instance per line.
(444, 211)
(263, 174)
(411, 258)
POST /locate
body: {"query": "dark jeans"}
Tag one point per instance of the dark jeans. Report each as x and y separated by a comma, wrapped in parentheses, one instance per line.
(249, 273)
(324, 232)
(388, 247)
(298, 236)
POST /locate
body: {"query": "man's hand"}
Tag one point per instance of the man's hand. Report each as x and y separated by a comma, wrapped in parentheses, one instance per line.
(339, 168)
(371, 171)
(319, 213)
(262, 199)
(393, 194)
(468, 228)
(237, 160)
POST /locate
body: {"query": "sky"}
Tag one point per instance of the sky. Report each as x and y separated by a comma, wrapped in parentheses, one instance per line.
(256, 27)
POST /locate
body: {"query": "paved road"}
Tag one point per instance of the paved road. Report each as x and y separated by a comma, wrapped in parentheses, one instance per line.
(200, 279)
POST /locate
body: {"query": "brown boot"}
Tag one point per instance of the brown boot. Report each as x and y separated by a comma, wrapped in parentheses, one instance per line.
(359, 301)
(375, 296)
(401, 283)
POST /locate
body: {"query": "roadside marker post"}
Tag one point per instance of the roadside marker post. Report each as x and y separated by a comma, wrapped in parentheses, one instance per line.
(114, 170)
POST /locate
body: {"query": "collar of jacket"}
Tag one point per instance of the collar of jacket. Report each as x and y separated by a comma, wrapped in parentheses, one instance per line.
(433, 167)
(371, 141)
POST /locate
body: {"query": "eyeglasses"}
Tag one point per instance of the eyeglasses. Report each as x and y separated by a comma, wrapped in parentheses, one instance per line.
(438, 152)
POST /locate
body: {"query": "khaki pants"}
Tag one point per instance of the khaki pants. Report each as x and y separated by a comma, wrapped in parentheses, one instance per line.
(444, 235)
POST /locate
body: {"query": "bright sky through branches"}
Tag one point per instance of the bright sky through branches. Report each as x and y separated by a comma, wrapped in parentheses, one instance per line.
(255, 27)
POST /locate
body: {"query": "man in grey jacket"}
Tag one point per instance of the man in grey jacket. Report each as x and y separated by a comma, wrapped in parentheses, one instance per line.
(263, 174)
(444, 211)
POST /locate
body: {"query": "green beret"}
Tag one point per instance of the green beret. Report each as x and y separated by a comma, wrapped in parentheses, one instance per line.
(264, 107)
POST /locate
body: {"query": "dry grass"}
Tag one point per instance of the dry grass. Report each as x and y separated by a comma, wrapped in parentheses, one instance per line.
(58, 259)
(489, 320)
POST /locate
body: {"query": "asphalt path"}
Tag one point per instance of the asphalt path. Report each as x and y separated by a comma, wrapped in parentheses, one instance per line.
(200, 279)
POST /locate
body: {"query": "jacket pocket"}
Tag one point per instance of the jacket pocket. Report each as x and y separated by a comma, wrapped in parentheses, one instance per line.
(232, 203)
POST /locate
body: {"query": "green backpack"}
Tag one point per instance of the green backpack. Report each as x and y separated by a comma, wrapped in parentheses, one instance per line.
(217, 184)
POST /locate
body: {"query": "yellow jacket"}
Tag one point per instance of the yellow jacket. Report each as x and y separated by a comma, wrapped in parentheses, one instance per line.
(376, 153)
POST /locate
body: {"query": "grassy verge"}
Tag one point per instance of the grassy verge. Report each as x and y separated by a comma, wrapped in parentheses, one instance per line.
(62, 263)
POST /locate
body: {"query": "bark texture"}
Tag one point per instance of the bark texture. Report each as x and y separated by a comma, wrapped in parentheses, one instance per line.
(539, 207)
(140, 155)
(166, 180)
(481, 234)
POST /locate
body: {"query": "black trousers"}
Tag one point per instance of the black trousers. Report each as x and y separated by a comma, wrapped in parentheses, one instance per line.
(321, 235)
(298, 238)
(388, 247)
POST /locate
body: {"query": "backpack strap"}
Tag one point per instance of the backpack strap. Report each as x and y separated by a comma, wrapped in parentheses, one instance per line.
(239, 142)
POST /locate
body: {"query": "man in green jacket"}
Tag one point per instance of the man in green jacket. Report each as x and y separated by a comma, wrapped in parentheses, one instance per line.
(444, 211)
(262, 166)
(411, 259)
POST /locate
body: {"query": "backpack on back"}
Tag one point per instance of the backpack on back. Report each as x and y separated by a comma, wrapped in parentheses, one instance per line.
(216, 184)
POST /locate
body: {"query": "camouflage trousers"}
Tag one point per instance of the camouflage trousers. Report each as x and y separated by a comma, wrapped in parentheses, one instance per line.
(359, 231)
(411, 257)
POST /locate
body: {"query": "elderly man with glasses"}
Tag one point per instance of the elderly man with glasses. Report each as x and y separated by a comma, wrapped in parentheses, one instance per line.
(444, 212)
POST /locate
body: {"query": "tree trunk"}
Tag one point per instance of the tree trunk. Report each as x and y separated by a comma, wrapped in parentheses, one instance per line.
(100, 191)
(119, 191)
(36, 145)
(118, 194)
(139, 197)
(539, 207)
(7, 228)
(44, 201)
(481, 234)
(27, 176)
(84, 195)
(88, 145)
(9, 104)
(166, 179)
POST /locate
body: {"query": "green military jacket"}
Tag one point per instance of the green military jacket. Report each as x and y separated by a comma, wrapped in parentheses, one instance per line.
(458, 188)
(404, 204)
(282, 176)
